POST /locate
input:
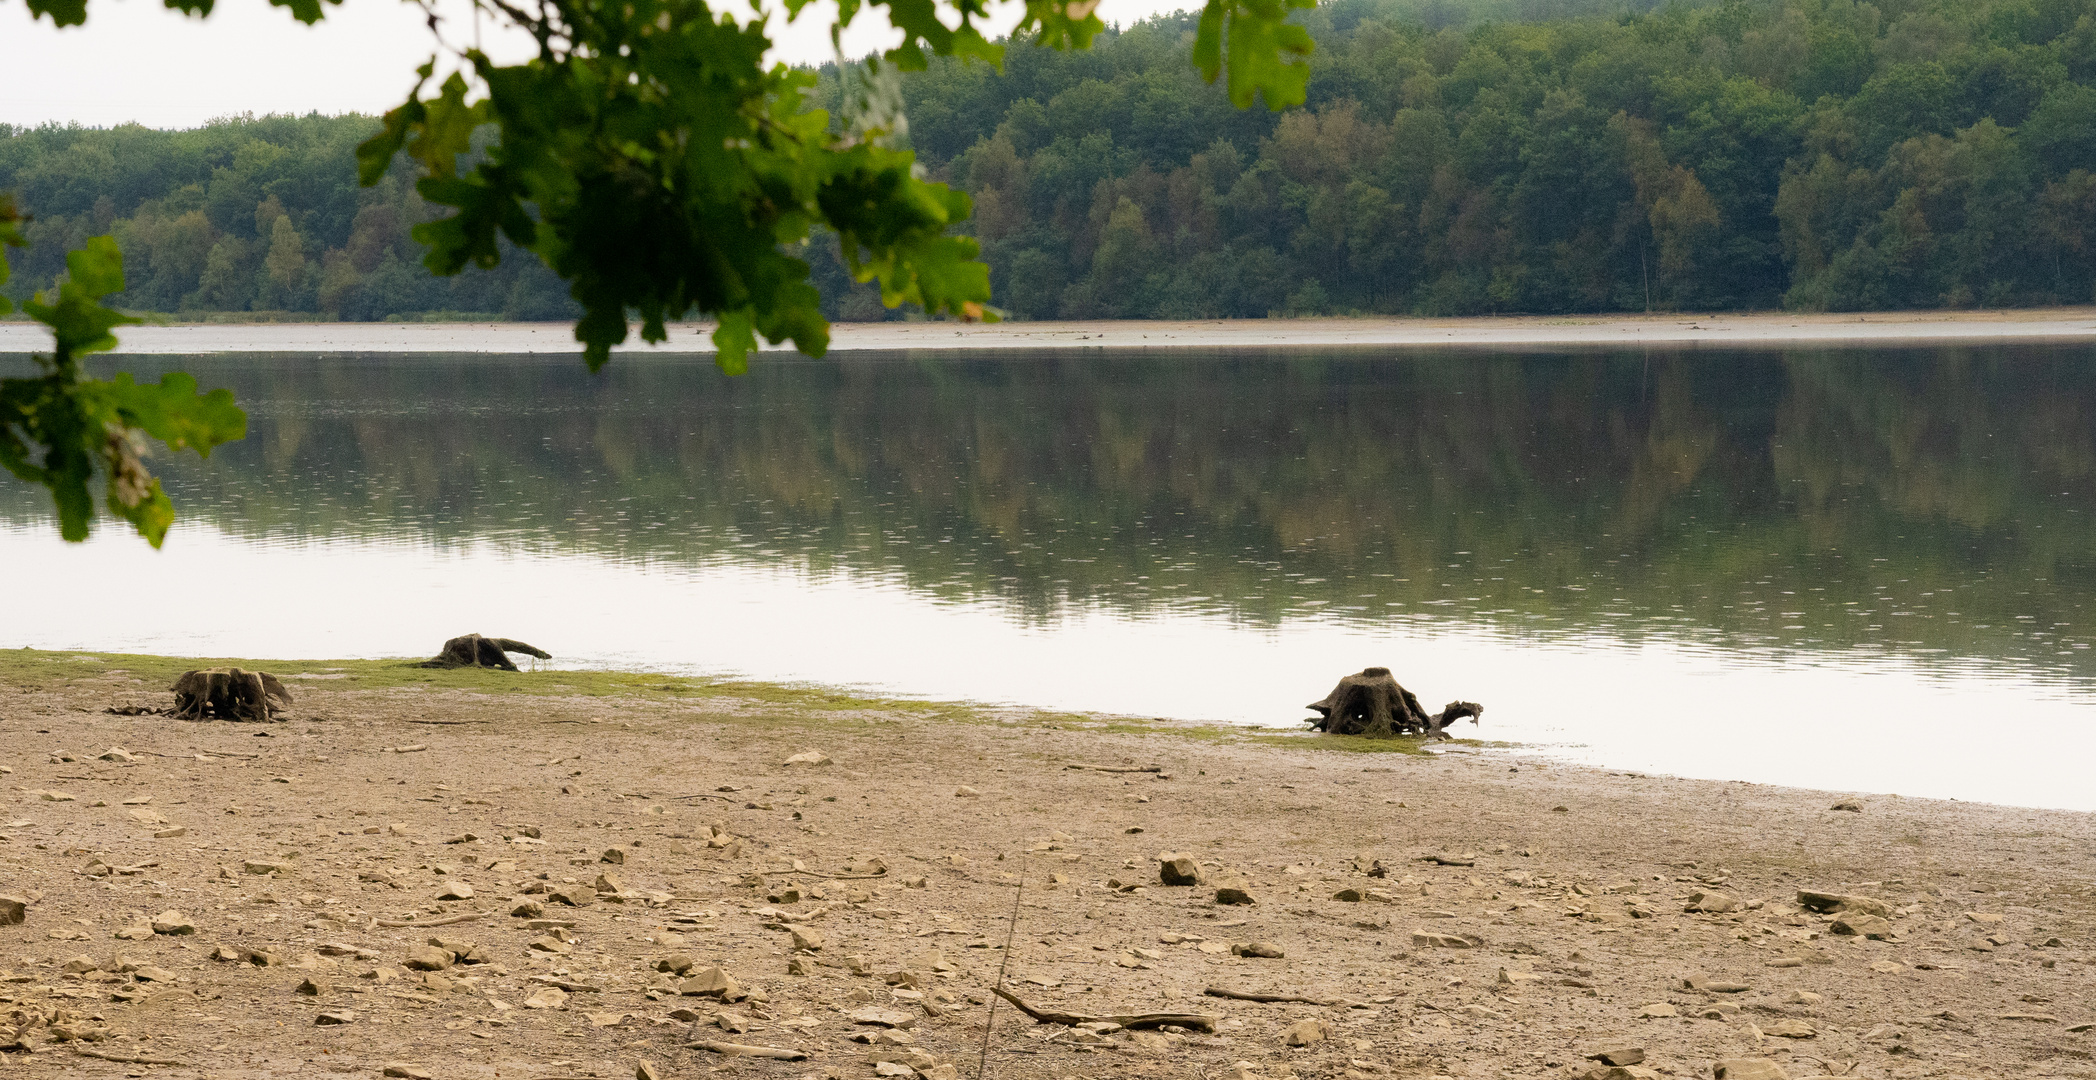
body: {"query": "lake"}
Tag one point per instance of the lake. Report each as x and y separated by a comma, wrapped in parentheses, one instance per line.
(1853, 569)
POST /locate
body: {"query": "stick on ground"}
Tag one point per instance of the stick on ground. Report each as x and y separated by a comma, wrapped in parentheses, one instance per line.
(727, 1049)
(1196, 1021)
(1240, 995)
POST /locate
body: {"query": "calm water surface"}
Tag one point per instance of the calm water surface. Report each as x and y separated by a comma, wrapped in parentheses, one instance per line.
(1857, 570)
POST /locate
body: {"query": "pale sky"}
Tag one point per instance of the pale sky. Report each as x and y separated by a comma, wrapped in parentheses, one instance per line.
(137, 61)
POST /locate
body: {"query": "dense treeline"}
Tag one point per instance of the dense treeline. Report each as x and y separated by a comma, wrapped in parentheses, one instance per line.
(1816, 153)
(247, 214)
(1454, 157)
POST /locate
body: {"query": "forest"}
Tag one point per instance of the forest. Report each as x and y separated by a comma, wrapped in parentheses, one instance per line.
(1497, 156)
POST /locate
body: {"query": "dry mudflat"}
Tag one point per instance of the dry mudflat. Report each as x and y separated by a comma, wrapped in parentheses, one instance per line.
(452, 878)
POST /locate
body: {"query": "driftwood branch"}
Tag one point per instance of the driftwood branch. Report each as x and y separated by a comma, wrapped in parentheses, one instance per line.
(131, 1059)
(1117, 768)
(1195, 1021)
(728, 1049)
(1240, 995)
(228, 694)
(396, 924)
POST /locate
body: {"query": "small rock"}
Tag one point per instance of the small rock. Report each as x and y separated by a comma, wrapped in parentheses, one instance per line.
(457, 890)
(1181, 870)
(135, 932)
(1712, 902)
(552, 997)
(874, 1015)
(807, 939)
(312, 987)
(1802, 997)
(1305, 1032)
(13, 910)
(1859, 925)
(573, 895)
(646, 1070)
(1716, 986)
(613, 855)
(1261, 950)
(1618, 1055)
(1848, 805)
(712, 982)
(261, 867)
(404, 1071)
(1749, 1069)
(169, 834)
(529, 909)
(333, 1017)
(810, 757)
(173, 922)
(1656, 1010)
(1348, 896)
(676, 963)
(1984, 918)
(1835, 903)
(1421, 939)
(1232, 896)
(429, 958)
(550, 944)
(149, 973)
(966, 792)
(1791, 1029)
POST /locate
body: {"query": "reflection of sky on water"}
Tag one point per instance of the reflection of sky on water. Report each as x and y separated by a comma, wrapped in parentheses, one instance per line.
(1842, 719)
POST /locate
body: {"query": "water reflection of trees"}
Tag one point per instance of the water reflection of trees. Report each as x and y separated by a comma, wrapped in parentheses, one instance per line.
(1906, 500)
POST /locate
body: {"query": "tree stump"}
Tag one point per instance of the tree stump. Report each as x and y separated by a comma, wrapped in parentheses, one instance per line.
(1373, 704)
(473, 650)
(229, 694)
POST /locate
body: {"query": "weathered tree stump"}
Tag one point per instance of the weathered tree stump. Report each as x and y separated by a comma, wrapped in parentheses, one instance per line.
(473, 650)
(229, 694)
(1373, 704)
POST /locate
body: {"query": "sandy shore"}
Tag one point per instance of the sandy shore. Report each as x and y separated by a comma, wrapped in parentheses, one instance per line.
(1514, 916)
(1893, 328)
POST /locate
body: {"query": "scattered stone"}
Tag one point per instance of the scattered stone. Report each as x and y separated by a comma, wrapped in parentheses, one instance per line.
(1791, 1029)
(1260, 950)
(404, 1071)
(966, 792)
(172, 922)
(457, 890)
(676, 963)
(1836, 903)
(1305, 1032)
(1715, 986)
(551, 944)
(150, 973)
(13, 910)
(877, 1016)
(1348, 896)
(807, 939)
(1657, 1010)
(429, 958)
(1984, 918)
(1859, 925)
(169, 834)
(810, 757)
(573, 895)
(1421, 939)
(1749, 1069)
(1180, 870)
(260, 867)
(712, 982)
(1802, 997)
(1848, 805)
(1712, 903)
(1229, 895)
(1887, 967)
(529, 909)
(312, 987)
(646, 1070)
(1618, 1055)
(552, 997)
(613, 855)
(333, 1017)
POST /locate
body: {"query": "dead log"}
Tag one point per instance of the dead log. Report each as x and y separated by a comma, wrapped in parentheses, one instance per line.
(229, 694)
(1191, 1021)
(1373, 704)
(1455, 710)
(473, 650)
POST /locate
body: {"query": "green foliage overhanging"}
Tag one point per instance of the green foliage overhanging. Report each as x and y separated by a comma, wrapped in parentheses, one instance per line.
(646, 155)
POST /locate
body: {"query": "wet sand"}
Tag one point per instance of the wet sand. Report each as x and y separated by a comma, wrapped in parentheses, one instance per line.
(1672, 331)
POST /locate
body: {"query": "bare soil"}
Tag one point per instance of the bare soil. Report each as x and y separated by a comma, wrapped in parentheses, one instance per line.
(1524, 914)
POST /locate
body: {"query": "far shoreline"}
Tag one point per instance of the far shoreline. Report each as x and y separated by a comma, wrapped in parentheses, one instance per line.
(2059, 325)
